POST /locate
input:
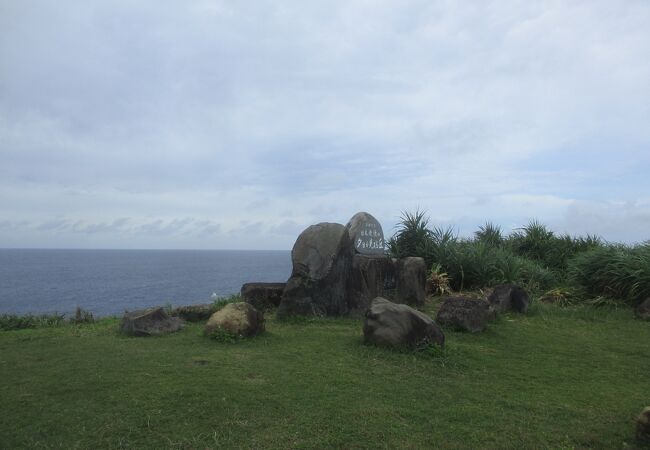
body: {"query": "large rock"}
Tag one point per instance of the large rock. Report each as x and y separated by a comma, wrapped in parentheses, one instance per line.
(263, 296)
(643, 310)
(643, 428)
(320, 267)
(392, 324)
(149, 322)
(239, 319)
(316, 249)
(463, 313)
(508, 297)
(411, 283)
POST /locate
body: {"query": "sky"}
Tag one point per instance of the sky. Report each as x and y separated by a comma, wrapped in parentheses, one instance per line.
(235, 125)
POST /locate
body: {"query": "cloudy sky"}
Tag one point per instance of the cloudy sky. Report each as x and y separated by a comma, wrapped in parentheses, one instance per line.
(230, 124)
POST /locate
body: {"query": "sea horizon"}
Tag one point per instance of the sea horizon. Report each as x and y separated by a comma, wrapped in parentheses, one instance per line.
(108, 281)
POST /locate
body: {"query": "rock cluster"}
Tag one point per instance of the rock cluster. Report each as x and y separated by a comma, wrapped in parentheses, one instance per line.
(338, 270)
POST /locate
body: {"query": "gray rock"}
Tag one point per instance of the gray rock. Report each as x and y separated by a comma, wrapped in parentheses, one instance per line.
(316, 249)
(643, 428)
(149, 322)
(411, 281)
(463, 313)
(239, 319)
(643, 310)
(507, 297)
(263, 296)
(393, 324)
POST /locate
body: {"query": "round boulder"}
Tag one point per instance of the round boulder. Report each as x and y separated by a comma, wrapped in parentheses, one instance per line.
(463, 314)
(316, 249)
(239, 319)
(392, 324)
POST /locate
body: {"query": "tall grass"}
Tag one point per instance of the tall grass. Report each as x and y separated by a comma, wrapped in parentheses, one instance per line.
(614, 271)
(533, 256)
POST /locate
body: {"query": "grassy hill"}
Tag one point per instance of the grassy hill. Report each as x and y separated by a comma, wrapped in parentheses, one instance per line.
(571, 377)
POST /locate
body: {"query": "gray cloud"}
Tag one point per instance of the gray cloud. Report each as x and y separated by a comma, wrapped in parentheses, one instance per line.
(213, 119)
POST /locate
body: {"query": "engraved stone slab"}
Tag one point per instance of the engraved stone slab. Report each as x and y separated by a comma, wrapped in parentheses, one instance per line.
(366, 233)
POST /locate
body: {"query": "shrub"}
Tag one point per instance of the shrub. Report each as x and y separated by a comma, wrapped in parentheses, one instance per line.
(489, 234)
(412, 235)
(16, 322)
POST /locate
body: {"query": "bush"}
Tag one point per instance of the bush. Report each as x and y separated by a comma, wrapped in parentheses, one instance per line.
(615, 272)
(412, 235)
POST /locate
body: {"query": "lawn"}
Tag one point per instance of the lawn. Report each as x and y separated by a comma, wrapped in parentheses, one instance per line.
(556, 378)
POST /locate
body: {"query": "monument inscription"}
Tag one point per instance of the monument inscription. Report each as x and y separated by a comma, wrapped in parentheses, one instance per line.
(368, 235)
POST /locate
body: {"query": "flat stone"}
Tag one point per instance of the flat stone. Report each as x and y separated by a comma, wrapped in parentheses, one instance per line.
(194, 313)
(149, 322)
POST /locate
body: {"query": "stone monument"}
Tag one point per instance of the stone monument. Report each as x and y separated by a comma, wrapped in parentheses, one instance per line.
(338, 270)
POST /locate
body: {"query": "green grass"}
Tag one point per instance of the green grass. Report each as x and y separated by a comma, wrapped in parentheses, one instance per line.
(557, 378)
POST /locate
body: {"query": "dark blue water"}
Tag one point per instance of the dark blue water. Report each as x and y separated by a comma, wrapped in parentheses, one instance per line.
(107, 282)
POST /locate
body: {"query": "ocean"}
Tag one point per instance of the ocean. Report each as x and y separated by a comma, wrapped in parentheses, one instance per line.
(107, 282)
